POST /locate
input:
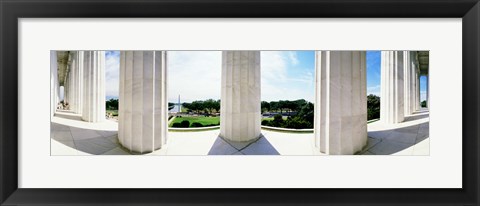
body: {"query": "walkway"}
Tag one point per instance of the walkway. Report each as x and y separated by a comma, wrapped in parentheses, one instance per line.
(410, 137)
(72, 136)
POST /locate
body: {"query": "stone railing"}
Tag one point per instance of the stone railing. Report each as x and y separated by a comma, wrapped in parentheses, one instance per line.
(288, 130)
(276, 129)
(192, 129)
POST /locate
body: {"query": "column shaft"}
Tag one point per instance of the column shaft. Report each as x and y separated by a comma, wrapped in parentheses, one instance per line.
(407, 83)
(418, 92)
(143, 107)
(340, 123)
(79, 62)
(427, 96)
(94, 87)
(53, 83)
(392, 87)
(240, 96)
(413, 74)
(73, 85)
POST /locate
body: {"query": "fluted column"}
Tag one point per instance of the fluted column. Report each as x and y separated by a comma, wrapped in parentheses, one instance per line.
(392, 87)
(427, 96)
(143, 107)
(240, 96)
(413, 82)
(417, 93)
(408, 84)
(72, 83)
(78, 61)
(340, 123)
(94, 87)
(54, 87)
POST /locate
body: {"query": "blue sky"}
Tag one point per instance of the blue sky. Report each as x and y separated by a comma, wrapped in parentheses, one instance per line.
(285, 75)
(373, 72)
(112, 74)
(373, 75)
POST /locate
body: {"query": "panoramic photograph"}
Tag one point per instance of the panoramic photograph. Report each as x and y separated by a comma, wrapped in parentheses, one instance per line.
(239, 102)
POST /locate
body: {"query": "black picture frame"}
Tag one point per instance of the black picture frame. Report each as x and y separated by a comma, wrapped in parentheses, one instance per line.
(11, 10)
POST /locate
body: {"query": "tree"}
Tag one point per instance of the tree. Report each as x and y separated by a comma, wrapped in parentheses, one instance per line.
(197, 106)
(298, 104)
(265, 106)
(273, 106)
(171, 105)
(424, 103)
(216, 105)
(112, 104)
(210, 105)
(307, 112)
(373, 107)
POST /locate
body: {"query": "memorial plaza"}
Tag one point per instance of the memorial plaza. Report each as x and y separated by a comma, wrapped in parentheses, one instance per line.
(340, 108)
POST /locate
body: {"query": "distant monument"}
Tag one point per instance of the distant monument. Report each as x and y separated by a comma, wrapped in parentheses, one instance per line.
(179, 105)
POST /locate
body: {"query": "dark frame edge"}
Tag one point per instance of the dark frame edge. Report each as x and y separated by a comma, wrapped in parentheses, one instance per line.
(8, 106)
(471, 88)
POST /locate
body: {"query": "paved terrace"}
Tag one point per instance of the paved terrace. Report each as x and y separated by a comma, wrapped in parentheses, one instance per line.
(72, 136)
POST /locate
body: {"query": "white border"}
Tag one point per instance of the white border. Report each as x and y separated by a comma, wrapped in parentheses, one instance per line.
(443, 37)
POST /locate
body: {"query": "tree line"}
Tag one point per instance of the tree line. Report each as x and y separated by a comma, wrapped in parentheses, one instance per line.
(282, 105)
(301, 119)
(208, 106)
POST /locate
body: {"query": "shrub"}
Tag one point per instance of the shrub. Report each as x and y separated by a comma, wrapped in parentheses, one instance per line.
(297, 123)
(265, 122)
(197, 124)
(278, 118)
(176, 124)
(185, 123)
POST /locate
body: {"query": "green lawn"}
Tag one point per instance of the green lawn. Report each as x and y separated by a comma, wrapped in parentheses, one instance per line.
(202, 120)
(114, 112)
(271, 118)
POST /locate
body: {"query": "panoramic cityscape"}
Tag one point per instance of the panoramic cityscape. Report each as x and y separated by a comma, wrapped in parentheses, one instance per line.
(239, 103)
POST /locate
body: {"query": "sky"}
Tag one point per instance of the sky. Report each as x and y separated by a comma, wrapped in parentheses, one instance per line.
(285, 75)
(196, 75)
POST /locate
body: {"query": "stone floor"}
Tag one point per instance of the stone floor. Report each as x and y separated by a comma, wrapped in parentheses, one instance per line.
(410, 137)
(72, 136)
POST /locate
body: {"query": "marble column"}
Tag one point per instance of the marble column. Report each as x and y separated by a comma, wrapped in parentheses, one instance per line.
(340, 121)
(413, 75)
(94, 87)
(417, 93)
(407, 83)
(392, 87)
(72, 83)
(143, 106)
(427, 96)
(54, 87)
(78, 62)
(240, 96)
(66, 90)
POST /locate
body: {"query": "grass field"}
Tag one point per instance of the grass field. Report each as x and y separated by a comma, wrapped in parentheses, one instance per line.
(202, 120)
(271, 118)
(114, 112)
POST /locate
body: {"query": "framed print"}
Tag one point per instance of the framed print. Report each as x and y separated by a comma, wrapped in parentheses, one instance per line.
(266, 102)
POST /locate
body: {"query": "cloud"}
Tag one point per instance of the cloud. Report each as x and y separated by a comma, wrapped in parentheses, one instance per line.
(112, 69)
(281, 80)
(293, 57)
(194, 75)
(423, 95)
(375, 90)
